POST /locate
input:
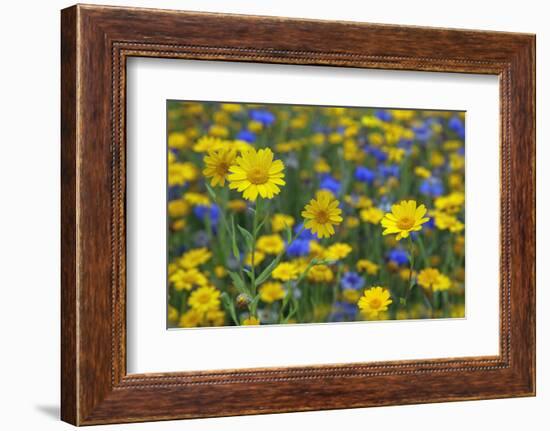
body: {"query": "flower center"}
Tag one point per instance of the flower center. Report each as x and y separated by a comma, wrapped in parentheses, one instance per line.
(322, 216)
(375, 303)
(222, 169)
(257, 176)
(405, 223)
(204, 298)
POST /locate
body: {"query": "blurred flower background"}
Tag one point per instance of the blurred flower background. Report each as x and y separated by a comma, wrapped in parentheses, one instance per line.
(306, 214)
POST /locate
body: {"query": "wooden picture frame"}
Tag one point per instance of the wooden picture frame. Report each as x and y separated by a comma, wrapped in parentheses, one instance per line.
(96, 41)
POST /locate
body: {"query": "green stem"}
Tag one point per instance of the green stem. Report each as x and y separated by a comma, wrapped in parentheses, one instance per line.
(253, 251)
(411, 268)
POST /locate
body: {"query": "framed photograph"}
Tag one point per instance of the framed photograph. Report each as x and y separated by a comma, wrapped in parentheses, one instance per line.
(264, 215)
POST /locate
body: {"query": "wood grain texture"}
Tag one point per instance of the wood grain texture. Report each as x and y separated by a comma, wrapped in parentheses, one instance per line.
(96, 41)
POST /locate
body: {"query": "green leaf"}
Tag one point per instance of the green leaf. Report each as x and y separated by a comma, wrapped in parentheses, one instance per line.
(229, 306)
(248, 272)
(211, 192)
(268, 270)
(249, 239)
(254, 304)
(288, 232)
(238, 282)
(261, 224)
(234, 239)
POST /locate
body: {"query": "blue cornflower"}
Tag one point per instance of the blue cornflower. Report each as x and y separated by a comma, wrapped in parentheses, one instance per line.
(431, 187)
(343, 311)
(389, 171)
(383, 115)
(262, 116)
(364, 175)
(247, 136)
(377, 153)
(398, 256)
(331, 184)
(352, 280)
(423, 132)
(300, 247)
(457, 126)
(203, 211)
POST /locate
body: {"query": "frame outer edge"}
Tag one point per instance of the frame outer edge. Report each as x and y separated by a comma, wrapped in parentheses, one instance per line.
(69, 211)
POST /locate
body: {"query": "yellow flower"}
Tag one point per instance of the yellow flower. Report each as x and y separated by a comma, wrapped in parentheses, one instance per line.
(374, 300)
(322, 214)
(352, 222)
(187, 279)
(218, 130)
(422, 172)
(316, 250)
(367, 266)
(404, 218)
(204, 299)
(271, 292)
(451, 203)
(195, 257)
(237, 205)
(207, 143)
(443, 221)
(270, 244)
(251, 321)
(220, 271)
(256, 173)
(177, 140)
(351, 295)
(180, 173)
(173, 314)
(178, 208)
(190, 319)
(280, 222)
(196, 199)
(217, 165)
(321, 166)
(431, 278)
(215, 317)
(338, 251)
(258, 258)
(178, 224)
(371, 215)
(320, 274)
(285, 271)
(395, 154)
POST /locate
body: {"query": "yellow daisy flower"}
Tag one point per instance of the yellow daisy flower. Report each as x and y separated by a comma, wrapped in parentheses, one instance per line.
(338, 251)
(351, 295)
(285, 271)
(256, 173)
(217, 165)
(270, 244)
(195, 257)
(281, 221)
(367, 266)
(320, 274)
(208, 143)
(371, 215)
(191, 319)
(374, 300)
(322, 214)
(271, 292)
(187, 279)
(431, 278)
(215, 317)
(251, 321)
(404, 218)
(205, 298)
